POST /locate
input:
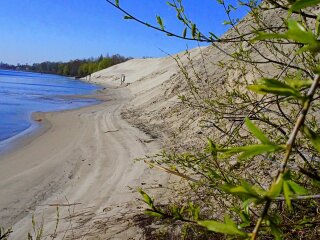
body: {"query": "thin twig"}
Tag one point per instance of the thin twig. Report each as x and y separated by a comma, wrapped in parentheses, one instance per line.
(317, 196)
(170, 171)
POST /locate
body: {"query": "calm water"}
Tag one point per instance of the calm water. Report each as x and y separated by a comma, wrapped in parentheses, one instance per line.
(22, 93)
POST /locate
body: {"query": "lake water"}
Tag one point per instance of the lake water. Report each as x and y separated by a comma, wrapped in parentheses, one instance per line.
(22, 93)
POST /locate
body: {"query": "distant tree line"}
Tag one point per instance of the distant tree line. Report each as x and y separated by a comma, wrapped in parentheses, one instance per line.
(73, 68)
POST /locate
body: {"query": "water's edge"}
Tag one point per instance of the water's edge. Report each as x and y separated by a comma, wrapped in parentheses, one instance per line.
(22, 93)
(27, 97)
(37, 128)
(9, 144)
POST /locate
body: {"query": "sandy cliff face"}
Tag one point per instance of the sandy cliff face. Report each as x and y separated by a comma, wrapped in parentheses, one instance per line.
(158, 83)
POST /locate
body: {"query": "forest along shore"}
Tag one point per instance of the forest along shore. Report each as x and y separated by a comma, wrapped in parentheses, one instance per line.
(84, 160)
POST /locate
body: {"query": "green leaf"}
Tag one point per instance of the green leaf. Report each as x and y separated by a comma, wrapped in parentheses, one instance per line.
(276, 188)
(228, 220)
(242, 191)
(160, 22)
(275, 230)
(231, 7)
(245, 190)
(193, 30)
(226, 23)
(245, 218)
(127, 17)
(146, 198)
(213, 35)
(262, 89)
(273, 86)
(298, 5)
(198, 36)
(265, 36)
(180, 17)
(255, 150)
(251, 150)
(117, 3)
(296, 188)
(227, 228)
(176, 212)
(299, 83)
(195, 211)
(312, 136)
(213, 175)
(287, 194)
(171, 4)
(305, 220)
(184, 34)
(316, 69)
(256, 131)
(212, 148)
(153, 213)
(297, 33)
(318, 25)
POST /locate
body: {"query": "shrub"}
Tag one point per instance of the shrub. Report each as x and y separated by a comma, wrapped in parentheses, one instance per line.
(258, 175)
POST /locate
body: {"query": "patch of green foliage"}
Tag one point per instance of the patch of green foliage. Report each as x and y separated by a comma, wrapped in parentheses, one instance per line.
(73, 68)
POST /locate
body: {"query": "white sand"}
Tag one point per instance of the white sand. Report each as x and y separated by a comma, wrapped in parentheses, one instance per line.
(85, 157)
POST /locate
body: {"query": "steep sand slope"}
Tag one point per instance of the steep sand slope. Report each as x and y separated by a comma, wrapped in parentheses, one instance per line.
(156, 83)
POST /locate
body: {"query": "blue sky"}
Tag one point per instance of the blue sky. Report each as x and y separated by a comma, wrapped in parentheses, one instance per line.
(61, 30)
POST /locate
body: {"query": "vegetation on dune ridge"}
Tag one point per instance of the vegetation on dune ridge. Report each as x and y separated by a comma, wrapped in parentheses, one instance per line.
(258, 174)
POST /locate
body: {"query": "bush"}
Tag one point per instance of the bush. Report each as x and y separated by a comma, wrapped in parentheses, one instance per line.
(258, 175)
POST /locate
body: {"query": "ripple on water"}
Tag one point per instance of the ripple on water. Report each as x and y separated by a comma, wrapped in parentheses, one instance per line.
(22, 93)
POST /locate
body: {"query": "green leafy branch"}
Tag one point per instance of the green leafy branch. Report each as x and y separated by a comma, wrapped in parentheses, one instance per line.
(297, 33)
(161, 27)
(249, 197)
(248, 151)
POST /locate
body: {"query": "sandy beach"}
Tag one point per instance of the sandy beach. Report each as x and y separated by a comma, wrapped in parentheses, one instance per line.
(82, 158)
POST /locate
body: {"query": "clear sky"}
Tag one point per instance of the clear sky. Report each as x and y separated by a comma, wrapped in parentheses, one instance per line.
(61, 30)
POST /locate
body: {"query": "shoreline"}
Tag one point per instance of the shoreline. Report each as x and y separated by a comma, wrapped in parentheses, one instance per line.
(17, 141)
(39, 124)
(26, 95)
(82, 156)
